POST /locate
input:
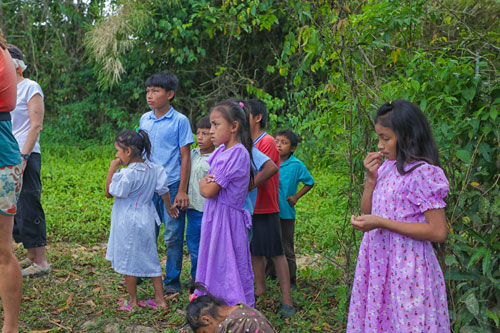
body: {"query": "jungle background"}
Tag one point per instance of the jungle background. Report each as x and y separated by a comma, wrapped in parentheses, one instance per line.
(323, 68)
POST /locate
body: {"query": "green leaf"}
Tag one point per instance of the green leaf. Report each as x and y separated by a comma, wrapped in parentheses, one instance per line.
(494, 317)
(487, 262)
(476, 256)
(450, 259)
(472, 304)
(463, 155)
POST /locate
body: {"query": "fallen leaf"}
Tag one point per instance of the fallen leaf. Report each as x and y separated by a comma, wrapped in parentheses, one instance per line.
(70, 299)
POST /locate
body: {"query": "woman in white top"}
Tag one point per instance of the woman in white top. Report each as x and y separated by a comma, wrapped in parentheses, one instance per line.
(27, 122)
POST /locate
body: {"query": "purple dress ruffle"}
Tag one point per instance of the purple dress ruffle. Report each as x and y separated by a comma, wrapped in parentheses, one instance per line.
(224, 261)
(399, 285)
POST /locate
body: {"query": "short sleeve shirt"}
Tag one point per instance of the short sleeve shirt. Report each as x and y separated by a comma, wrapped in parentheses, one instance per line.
(199, 169)
(292, 172)
(167, 135)
(21, 125)
(259, 159)
(267, 194)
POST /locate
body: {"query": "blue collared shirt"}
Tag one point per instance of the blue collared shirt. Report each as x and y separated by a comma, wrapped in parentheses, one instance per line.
(167, 135)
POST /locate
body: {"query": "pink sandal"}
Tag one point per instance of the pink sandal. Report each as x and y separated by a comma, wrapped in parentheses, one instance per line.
(125, 306)
(147, 304)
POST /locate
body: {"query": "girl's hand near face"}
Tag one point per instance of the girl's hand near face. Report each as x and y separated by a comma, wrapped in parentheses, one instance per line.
(371, 163)
(115, 164)
(365, 223)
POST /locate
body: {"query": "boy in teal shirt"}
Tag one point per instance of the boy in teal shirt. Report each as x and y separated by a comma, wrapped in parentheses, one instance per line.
(292, 172)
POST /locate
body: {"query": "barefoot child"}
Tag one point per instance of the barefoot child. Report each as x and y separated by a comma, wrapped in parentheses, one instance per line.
(292, 172)
(209, 314)
(224, 263)
(132, 238)
(399, 285)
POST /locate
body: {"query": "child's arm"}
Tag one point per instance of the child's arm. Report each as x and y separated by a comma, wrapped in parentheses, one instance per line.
(435, 230)
(372, 162)
(182, 198)
(172, 210)
(292, 199)
(208, 187)
(113, 166)
(268, 170)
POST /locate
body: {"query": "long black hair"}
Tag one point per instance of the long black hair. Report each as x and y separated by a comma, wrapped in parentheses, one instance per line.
(138, 141)
(413, 132)
(233, 111)
(202, 305)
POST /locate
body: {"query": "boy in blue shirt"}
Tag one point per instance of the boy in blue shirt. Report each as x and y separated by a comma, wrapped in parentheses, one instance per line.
(171, 136)
(199, 169)
(292, 172)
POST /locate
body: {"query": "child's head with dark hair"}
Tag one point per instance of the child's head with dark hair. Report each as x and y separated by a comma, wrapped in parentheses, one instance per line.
(165, 80)
(258, 111)
(203, 137)
(233, 112)
(286, 142)
(203, 311)
(137, 141)
(290, 135)
(204, 122)
(414, 140)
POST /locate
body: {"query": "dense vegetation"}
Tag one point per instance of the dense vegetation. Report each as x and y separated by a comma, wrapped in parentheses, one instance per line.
(322, 67)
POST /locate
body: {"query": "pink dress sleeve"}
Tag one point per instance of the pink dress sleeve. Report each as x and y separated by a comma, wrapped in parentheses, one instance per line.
(428, 187)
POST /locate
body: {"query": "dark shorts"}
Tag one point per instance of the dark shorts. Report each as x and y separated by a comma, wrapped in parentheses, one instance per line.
(29, 222)
(266, 240)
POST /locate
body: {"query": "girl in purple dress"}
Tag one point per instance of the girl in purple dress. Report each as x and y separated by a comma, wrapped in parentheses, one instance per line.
(224, 261)
(399, 285)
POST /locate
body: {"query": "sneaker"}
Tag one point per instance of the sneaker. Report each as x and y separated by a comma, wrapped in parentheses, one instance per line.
(170, 290)
(35, 270)
(287, 311)
(25, 263)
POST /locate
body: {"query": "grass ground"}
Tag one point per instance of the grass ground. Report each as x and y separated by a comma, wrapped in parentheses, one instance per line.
(81, 293)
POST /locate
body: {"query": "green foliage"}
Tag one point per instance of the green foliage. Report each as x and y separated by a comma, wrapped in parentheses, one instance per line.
(322, 68)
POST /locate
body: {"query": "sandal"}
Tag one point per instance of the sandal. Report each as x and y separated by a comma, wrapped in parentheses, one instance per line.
(35, 270)
(25, 263)
(125, 306)
(147, 304)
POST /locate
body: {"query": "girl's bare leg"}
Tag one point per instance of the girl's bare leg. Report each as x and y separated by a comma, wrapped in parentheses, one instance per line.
(11, 283)
(131, 282)
(158, 287)
(259, 271)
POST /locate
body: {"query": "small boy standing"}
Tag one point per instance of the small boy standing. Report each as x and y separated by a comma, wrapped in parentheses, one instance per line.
(292, 172)
(171, 137)
(199, 169)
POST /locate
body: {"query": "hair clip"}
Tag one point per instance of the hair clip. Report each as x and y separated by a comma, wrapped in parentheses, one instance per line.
(241, 104)
(192, 297)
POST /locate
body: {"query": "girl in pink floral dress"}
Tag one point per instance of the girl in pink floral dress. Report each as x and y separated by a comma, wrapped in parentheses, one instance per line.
(399, 285)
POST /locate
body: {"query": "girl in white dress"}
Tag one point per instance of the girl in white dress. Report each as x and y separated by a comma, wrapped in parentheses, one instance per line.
(132, 238)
